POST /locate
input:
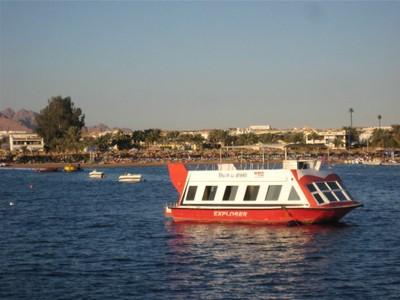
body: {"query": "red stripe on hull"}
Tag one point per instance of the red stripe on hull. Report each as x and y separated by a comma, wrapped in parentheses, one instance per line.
(266, 216)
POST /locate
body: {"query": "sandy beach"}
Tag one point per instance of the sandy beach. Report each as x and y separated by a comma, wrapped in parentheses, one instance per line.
(112, 165)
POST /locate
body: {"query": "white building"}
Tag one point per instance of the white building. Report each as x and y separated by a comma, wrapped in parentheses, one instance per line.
(19, 141)
(256, 128)
(334, 139)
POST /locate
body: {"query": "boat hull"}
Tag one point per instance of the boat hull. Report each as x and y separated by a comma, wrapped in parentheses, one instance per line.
(129, 178)
(46, 170)
(264, 216)
(102, 175)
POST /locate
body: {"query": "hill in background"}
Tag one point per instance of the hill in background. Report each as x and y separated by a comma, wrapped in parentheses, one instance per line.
(25, 120)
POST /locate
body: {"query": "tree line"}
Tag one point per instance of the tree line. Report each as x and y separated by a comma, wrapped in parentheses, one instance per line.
(60, 124)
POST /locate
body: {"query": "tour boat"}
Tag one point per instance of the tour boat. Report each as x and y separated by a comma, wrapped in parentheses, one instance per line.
(298, 193)
(128, 177)
(97, 174)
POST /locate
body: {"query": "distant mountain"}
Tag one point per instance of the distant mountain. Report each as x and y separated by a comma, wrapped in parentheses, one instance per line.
(25, 120)
(95, 129)
(7, 124)
(8, 113)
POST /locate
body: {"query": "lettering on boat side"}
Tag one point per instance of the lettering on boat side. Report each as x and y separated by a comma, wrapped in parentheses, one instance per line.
(232, 175)
(238, 214)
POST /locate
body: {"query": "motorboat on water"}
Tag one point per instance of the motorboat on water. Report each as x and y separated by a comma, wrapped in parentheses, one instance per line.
(97, 174)
(46, 170)
(72, 168)
(298, 193)
(128, 177)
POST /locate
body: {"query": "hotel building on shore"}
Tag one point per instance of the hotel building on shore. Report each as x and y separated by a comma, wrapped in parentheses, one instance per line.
(20, 140)
(333, 139)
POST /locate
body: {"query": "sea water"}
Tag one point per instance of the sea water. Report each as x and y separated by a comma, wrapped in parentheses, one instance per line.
(68, 236)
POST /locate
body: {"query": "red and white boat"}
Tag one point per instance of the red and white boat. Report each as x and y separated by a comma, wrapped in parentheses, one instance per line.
(299, 193)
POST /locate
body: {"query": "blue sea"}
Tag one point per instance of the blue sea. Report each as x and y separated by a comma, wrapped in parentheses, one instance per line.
(67, 236)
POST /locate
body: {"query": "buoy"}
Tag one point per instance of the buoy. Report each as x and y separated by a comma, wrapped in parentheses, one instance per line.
(11, 203)
(31, 186)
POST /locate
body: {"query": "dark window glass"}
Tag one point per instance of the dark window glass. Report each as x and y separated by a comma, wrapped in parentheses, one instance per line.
(341, 195)
(191, 193)
(251, 192)
(311, 188)
(319, 198)
(230, 192)
(333, 185)
(330, 196)
(322, 186)
(273, 192)
(209, 192)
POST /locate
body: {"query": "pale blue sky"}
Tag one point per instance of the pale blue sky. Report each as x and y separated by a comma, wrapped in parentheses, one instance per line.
(205, 64)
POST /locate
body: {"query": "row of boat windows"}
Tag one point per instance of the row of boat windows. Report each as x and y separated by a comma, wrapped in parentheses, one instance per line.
(329, 191)
(251, 193)
(323, 192)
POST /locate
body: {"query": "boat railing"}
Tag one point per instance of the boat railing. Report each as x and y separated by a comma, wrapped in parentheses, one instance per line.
(290, 164)
(238, 166)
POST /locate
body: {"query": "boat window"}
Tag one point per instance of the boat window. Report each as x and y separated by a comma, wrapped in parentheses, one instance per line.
(349, 196)
(209, 192)
(341, 196)
(337, 190)
(311, 188)
(330, 196)
(315, 192)
(251, 192)
(319, 198)
(333, 185)
(273, 192)
(330, 191)
(322, 186)
(293, 194)
(230, 192)
(191, 193)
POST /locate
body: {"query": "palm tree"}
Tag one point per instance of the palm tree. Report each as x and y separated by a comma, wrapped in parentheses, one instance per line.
(71, 141)
(351, 124)
(313, 136)
(351, 117)
(218, 136)
(337, 142)
(379, 118)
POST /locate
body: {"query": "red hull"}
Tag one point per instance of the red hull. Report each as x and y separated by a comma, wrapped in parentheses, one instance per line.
(266, 216)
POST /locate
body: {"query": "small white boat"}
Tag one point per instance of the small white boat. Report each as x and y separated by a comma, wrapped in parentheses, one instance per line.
(97, 174)
(128, 177)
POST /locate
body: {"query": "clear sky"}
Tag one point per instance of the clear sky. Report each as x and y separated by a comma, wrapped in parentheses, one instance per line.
(187, 65)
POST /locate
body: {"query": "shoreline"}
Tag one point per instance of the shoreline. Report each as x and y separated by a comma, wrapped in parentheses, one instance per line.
(109, 165)
(137, 164)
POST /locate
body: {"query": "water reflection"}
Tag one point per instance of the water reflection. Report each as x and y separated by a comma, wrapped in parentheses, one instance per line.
(207, 257)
